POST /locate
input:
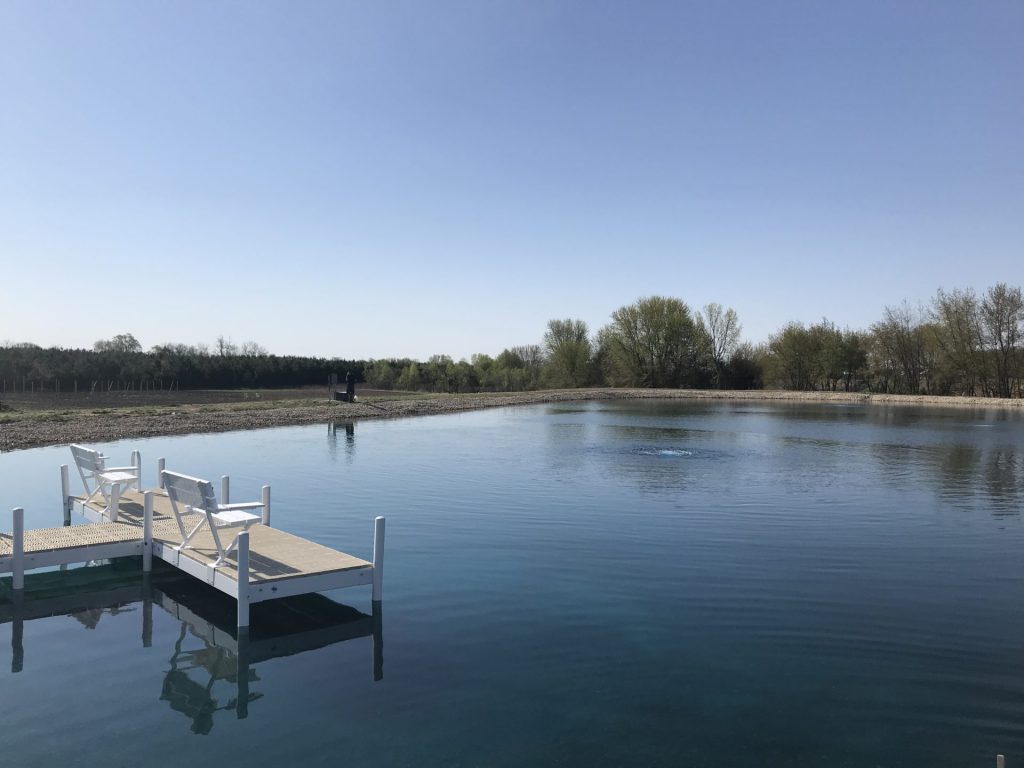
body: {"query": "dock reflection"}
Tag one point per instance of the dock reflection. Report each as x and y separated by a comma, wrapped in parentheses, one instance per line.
(209, 650)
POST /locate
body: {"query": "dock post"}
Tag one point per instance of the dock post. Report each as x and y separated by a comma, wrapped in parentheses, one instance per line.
(266, 505)
(378, 557)
(225, 489)
(65, 491)
(160, 464)
(137, 463)
(115, 502)
(147, 532)
(243, 580)
(18, 550)
(1000, 761)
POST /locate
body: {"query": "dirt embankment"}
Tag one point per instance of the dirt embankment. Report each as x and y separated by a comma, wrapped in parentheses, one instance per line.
(31, 429)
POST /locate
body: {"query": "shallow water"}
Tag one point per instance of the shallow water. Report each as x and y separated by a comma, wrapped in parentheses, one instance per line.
(624, 583)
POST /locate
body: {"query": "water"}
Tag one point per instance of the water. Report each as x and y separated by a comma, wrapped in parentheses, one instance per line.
(626, 583)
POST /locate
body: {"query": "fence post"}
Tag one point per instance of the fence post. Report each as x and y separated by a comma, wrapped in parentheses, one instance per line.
(378, 557)
(65, 490)
(18, 553)
(266, 505)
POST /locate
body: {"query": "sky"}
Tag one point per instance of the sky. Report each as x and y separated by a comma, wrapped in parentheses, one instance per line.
(404, 179)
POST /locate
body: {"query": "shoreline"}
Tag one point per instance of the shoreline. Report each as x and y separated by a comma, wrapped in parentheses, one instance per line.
(38, 429)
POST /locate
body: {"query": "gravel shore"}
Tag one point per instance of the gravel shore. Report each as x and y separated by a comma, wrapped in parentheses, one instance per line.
(31, 430)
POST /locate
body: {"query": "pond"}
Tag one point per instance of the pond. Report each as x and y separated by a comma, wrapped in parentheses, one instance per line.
(599, 584)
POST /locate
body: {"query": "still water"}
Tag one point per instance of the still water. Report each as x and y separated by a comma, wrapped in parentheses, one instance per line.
(626, 583)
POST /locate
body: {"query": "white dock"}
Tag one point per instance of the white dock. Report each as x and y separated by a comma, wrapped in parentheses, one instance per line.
(267, 564)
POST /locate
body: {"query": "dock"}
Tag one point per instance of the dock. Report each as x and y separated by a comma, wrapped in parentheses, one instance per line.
(267, 564)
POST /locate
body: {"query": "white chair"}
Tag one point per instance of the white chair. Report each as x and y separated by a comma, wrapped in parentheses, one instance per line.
(190, 494)
(97, 477)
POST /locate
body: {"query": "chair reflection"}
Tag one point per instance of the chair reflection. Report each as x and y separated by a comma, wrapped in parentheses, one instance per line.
(209, 650)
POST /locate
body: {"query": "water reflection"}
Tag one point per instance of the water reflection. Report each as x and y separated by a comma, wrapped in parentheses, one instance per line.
(211, 663)
(349, 428)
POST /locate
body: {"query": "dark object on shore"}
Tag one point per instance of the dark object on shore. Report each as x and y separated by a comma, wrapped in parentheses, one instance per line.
(349, 395)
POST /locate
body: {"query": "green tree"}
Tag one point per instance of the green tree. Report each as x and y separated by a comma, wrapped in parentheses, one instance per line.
(122, 342)
(567, 344)
(652, 343)
(793, 355)
(960, 338)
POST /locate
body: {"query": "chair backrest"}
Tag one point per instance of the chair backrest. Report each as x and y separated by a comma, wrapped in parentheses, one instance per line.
(87, 459)
(190, 491)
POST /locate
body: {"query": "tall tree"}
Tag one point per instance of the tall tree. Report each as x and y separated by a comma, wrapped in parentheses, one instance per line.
(793, 354)
(961, 340)
(1002, 316)
(567, 344)
(652, 343)
(722, 328)
(899, 344)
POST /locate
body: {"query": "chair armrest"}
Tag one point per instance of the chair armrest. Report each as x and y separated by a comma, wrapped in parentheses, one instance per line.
(243, 505)
(121, 469)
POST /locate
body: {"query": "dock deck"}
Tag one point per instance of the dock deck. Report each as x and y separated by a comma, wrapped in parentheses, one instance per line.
(268, 563)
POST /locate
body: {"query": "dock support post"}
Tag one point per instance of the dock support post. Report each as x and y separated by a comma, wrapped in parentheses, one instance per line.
(147, 532)
(266, 505)
(65, 492)
(137, 463)
(1000, 761)
(225, 489)
(18, 550)
(161, 463)
(243, 580)
(378, 557)
(115, 502)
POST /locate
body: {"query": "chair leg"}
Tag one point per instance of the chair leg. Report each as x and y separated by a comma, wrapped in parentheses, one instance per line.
(188, 538)
(221, 554)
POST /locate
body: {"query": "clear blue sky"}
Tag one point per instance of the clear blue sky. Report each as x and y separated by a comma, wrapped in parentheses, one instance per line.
(364, 179)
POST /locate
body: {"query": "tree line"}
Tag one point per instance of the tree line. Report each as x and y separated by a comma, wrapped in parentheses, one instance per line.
(120, 363)
(960, 343)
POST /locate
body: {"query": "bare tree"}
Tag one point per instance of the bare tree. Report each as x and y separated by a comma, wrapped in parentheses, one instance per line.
(722, 329)
(1002, 317)
(252, 349)
(226, 347)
